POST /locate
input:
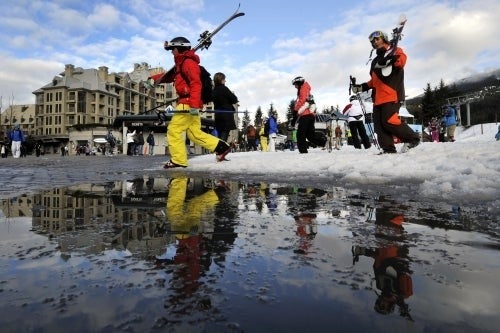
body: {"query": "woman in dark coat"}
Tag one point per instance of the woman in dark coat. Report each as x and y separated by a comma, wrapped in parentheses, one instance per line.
(224, 102)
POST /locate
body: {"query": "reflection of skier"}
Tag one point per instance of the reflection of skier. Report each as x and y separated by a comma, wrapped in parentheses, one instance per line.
(306, 230)
(191, 258)
(391, 265)
(392, 277)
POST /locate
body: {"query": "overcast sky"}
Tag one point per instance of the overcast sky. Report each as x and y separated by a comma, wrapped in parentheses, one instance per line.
(260, 53)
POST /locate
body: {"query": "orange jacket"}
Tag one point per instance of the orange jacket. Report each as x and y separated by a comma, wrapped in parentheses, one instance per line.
(388, 88)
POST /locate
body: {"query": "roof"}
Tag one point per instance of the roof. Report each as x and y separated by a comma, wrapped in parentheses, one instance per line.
(119, 120)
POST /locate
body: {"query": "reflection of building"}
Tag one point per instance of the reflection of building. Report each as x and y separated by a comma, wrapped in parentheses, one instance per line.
(102, 218)
(16, 207)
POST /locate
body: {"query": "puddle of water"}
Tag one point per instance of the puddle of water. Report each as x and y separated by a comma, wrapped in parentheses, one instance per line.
(194, 254)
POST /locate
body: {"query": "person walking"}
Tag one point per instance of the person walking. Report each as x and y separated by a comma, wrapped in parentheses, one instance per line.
(251, 138)
(273, 130)
(224, 104)
(16, 137)
(338, 137)
(3, 150)
(434, 129)
(151, 142)
(356, 122)
(451, 121)
(130, 142)
(388, 92)
(140, 143)
(263, 137)
(186, 78)
(304, 115)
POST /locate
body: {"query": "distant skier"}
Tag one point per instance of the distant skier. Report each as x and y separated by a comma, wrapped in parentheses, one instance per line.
(451, 121)
(356, 123)
(434, 129)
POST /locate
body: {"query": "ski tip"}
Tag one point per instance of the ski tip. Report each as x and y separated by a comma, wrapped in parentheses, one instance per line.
(402, 19)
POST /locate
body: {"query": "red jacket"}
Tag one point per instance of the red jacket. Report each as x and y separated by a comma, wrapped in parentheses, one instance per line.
(302, 96)
(189, 93)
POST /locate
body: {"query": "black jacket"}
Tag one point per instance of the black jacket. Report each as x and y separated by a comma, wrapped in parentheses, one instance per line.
(223, 100)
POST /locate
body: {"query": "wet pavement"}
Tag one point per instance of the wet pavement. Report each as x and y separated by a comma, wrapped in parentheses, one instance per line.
(116, 244)
(31, 173)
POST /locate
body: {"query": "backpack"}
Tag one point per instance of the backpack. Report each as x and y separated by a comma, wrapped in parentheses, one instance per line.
(206, 84)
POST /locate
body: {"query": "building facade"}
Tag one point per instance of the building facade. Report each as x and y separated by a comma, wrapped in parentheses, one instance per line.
(22, 115)
(79, 101)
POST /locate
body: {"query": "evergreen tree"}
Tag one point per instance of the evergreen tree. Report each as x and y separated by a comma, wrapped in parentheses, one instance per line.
(258, 117)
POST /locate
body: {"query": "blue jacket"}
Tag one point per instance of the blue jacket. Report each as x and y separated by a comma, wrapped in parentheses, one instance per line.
(450, 118)
(16, 135)
(273, 126)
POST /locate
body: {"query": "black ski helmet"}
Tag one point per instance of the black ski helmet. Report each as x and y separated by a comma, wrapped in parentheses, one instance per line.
(181, 43)
(298, 80)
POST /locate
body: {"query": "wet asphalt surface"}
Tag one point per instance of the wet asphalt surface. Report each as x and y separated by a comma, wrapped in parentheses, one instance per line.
(29, 174)
(257, 258)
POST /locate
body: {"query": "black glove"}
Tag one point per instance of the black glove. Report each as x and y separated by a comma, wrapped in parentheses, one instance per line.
(386, 61)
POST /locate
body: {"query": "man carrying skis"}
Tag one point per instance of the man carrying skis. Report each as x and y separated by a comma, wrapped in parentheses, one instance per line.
(387, 84)
(187, 118)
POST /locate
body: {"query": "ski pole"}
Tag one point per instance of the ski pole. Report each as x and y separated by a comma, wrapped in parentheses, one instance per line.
(167, 102)
(363, 109)
(200, 111)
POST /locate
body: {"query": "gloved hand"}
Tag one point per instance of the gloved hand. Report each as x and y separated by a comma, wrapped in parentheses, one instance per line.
(303, 108)
(386, 61)
(194, 111)
(357, 88)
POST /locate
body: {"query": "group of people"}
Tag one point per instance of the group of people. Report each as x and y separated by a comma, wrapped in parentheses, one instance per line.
(136, 145)
(386, 83)
(444, 130)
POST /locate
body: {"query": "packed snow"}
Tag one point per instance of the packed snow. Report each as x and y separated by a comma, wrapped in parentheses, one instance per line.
(467, 170)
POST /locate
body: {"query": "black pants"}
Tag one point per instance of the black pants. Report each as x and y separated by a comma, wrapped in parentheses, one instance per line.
(306, 132)
(358, 131)
(387, 124)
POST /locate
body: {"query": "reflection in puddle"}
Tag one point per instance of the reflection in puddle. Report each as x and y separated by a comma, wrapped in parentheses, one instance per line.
(192, 253)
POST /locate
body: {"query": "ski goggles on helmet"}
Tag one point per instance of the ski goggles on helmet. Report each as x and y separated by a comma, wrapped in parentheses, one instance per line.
(377, 34)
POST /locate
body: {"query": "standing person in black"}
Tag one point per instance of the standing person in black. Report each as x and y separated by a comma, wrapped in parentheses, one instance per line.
(224, 100)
